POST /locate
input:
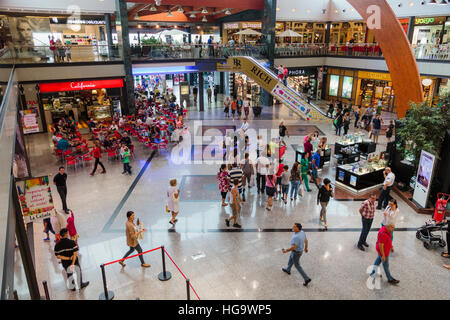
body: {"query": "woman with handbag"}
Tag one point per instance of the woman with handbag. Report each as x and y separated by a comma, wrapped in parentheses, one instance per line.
(173, 200)
(271, 181)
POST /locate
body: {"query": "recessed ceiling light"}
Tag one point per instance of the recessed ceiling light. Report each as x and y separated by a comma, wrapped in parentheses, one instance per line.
(192, 15)
(204, 10)
(157, 26)
(139, 26)
(204, 19)
(411, 4)
(227, 12)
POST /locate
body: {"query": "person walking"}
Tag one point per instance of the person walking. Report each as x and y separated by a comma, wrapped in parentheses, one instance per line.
(209, 92)
(216, 93)
(195, 93)
(304, 167)
(389, 179)
(346, 122)
(390, 131)
(132, 239)
(73, 234)
(60, 180)
(58, 222)
(246, 105)
(248, 170)
(384, 248)
(271, 180)
(315, 165)
(330, 110)
(236, 173)
(285, 176)
(235, 204)
(97, 154)
(357, 116)
(390, 215)
(67, 251)
(224, 183)
(338, 120)
(262, 169)
(173, 200)
(282, 131)
(227, 104)
(48, 228)
(299, 244)
(376, 127)
(295, 179)
(233, 108)
(239, 107)
(367, 211)
(323, 197)
(126, 161)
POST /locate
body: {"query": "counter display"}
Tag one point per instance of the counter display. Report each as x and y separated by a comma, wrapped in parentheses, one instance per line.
(364, 145)
(325, 155)
(361, 175)
(99, 112)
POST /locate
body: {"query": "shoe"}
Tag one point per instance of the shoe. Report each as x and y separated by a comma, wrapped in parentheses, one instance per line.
(365, 244)
(394, 281)
(292, 199)
(227, 222)
(73, 289)
(123, 172)
(104, 171)
(360, 247)
(145, 265)
(236, 225)
(309, 190)
(224, 204)
(171, 222)
(175, 221)
(306, 282)
(92, 173)
(84, 285)
(445, 254)
(46, 239)
(378, 208)
(122, 263)
(285, 270)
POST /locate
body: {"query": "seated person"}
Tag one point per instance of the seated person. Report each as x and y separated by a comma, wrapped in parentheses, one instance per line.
(63, 144)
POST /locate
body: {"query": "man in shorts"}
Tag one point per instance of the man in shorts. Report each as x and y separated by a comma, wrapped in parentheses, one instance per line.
(376, 126)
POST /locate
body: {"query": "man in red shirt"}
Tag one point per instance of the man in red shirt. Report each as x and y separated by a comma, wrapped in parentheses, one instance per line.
(384, 247)
(97, 154)
(280, 170)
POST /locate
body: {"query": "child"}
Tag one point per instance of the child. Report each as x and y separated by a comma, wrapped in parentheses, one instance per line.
(71, 227)
(48, 228)
(126, 161)
(285, 183)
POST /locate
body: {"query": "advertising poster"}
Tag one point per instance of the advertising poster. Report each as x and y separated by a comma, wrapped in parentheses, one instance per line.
(334, 85)
(29, 121)
(35, 198)
(424, 176)
(20, 166)
(353, 180)
(25, 29)
(341, 175)
(347, 87)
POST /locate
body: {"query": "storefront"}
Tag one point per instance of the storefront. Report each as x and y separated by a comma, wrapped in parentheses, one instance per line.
(303, 80)
(344, 32)
(310, 32)
(245, 87)
(430, 30)
(230, 28)
(97, 99)
(366, 88)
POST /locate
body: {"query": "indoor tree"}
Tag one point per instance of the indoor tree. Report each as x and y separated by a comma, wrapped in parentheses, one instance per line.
(423, 128)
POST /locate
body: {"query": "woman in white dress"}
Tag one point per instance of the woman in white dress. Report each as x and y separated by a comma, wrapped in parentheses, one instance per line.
(390, 215)
(173, 200)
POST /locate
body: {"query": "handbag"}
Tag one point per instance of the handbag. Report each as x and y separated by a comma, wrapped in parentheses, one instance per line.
(300, 191)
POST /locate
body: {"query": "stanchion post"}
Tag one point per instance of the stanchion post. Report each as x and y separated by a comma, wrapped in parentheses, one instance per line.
(188, 290)
(47, 295)
(107, 294)
(164, 275)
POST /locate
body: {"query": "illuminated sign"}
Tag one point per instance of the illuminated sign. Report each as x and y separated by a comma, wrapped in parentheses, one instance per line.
(429, 21)
(231, 25)
(80, 85)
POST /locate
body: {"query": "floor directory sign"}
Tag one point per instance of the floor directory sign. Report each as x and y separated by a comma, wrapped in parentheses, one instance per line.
(424, 176)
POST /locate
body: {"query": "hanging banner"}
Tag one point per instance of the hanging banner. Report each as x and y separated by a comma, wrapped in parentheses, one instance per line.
(35, 196)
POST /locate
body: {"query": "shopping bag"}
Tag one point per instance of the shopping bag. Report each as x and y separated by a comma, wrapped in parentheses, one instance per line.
(300, 191)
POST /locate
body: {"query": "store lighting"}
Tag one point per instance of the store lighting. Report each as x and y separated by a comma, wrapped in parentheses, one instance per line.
(204, 11)
(192, 15)
(180, 9)
(55, 19)
(336, 11)
(278, 8)
(136, 17)
(204, 19)
(139, 26)
(157, 26)
(170, 14)
(227, 12)
(153, 8)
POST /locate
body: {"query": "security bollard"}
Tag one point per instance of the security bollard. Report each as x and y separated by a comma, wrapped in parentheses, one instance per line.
(188, 290)
(164, 275)
(107, 294)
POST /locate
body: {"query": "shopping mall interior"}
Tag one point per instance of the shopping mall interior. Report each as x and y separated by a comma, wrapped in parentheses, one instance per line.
(199, 150)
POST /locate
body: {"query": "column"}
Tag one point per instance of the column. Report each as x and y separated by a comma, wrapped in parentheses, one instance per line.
(201, 90)
(221, 82)
(268, 31)
(411, 23)
(108, 31)
(123, 37)
(328, 32)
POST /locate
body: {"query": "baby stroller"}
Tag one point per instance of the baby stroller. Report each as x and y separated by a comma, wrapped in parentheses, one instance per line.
(432, 234)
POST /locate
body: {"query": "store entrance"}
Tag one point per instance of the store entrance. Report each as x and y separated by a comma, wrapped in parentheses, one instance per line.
(374, 92)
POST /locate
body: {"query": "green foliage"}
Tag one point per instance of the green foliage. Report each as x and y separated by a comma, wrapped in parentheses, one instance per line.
(424, 128)
(150, 41)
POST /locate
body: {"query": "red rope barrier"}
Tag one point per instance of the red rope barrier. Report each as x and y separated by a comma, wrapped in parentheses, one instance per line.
(136, 255)
(190, 284)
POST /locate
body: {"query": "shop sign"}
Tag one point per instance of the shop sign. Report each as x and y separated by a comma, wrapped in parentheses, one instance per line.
(292, 72)
(234, 25)
(429, 21)
(78, 21)
(80, 85)
(253, 25)
(35, 197)
(374, 75)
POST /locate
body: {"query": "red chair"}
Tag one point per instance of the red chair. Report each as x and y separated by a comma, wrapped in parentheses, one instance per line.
(71, 161)
(59, 154)
(86, 158)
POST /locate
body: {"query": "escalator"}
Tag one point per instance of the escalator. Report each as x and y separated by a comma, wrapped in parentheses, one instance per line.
(269, 81)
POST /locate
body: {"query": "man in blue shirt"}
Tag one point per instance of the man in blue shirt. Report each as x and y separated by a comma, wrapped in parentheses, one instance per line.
(376, 126)
(299, 243)
(63, 144)
(315, 164)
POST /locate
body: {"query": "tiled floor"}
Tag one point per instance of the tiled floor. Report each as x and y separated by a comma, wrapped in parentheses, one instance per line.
(222, 264)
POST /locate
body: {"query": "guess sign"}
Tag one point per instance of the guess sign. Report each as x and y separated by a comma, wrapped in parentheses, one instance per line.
(80, 85)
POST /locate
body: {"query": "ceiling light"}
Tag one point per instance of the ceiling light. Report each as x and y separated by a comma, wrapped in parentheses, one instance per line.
(170, 14)
(432, 2)
(139, 26)
(192, 15)
(204, 11)
(175, 26)
(180, 9)
(411, 4)
(278, 8)
(55, 19)
(157, 26)
(308, 10)
(204, 19)
(153, 8)
(443, 2)
(293, 9)
(336, 11)
(136, 17)
(227, 12)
